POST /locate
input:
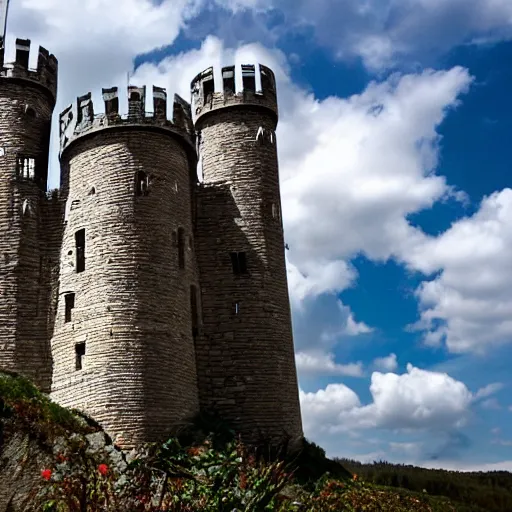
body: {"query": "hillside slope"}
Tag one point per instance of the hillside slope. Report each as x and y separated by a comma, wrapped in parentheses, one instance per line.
(53, 459)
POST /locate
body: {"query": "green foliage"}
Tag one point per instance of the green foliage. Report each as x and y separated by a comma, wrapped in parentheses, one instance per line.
(203, 467)
(19, 398)
(472, 492)
(173, 478)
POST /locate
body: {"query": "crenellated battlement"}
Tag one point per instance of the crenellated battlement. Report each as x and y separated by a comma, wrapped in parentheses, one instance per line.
(82, 120)
(235, 92)
(45, 74)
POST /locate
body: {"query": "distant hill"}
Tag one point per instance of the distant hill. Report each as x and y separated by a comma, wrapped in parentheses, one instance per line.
(472, 492)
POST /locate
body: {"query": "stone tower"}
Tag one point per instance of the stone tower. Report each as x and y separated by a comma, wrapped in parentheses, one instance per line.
(27, 100)
(123, 347)
(245, 353)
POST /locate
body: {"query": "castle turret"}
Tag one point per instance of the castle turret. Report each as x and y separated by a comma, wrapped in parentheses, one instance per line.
(27, 100)
(245, 354)
(123, 346)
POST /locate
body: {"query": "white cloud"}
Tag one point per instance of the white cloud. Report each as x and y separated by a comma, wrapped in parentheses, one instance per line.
(416, 400)
(468, 306)
(488, 390)
(325, 407)
(343, 162)
(320, 279)
(364, 158)
(95, 41)
(389, 363)
(349, 326)
(324, 364)
(385, 32)
(355, 328)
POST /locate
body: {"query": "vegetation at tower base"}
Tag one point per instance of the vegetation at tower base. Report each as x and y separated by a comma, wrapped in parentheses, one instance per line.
(53, 459)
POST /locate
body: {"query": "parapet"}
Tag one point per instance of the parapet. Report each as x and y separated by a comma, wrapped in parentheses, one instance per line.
(206, 100)
(84, 121)
(45, 74)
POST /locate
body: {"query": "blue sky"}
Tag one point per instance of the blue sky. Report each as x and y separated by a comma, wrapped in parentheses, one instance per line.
(394, 144)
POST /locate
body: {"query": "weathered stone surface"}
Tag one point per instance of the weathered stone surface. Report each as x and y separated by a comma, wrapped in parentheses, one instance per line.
(132, 301)
(21, 461)
(26, 244)
(245, 356)
(152, 323)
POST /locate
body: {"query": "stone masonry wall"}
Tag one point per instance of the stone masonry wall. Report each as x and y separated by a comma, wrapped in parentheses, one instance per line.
(25, 119)
(132, 301)
(245, 353)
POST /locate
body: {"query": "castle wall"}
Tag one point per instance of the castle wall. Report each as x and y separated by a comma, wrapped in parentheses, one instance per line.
(132, 301)
(245, 354)
(25, 120)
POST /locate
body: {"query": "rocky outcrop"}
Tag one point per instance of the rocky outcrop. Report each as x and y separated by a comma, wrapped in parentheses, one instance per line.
(33, 432)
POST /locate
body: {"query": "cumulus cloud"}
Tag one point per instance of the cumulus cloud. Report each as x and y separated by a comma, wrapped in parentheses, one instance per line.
(343, 162)
(324, 364)
(416, 400)
(389, 363)
(468, 306)
(95, 42)
(364, 158)
(384, 33)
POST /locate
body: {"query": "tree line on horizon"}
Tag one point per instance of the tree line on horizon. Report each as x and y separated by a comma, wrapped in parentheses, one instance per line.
(476, 491)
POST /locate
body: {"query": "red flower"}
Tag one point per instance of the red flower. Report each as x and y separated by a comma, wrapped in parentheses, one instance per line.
(46, 474)
(103, 469)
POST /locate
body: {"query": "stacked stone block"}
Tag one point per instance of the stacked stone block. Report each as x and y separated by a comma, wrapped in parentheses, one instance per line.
(134, 293)
(27, 99)
(245, 355)
(125, 352)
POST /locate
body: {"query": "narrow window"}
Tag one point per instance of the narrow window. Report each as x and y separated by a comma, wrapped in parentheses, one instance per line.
(276, 212)
(228, 78)
(80, 250)
(27, 208)
(249, 78)
(208, 88)
(181, 248)
(239, 263)
(194, 310)
(141, 183)
(26, 168)
(29, 111)
(236, 308)
(69, 301)
(80, 354)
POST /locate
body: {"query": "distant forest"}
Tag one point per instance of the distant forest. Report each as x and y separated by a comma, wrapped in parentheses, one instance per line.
(473, 492)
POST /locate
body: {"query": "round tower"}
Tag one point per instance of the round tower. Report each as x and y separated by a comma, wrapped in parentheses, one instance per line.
(27, 100)
(245, 355)
(123, 346)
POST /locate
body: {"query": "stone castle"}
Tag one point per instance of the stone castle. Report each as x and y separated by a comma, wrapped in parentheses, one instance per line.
(137, 293)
